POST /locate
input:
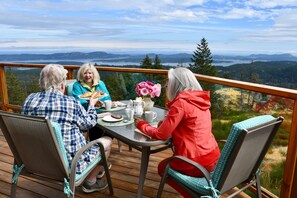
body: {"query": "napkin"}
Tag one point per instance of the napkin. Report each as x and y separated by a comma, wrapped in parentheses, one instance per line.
(120, 104)
(138, 131)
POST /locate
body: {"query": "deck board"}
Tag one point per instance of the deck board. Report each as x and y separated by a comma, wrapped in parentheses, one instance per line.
(124, 174)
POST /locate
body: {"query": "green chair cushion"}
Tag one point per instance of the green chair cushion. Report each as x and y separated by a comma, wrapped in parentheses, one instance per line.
(200, 185)
(197, 184)
(58, 134)
(69, 88)
(57, 130)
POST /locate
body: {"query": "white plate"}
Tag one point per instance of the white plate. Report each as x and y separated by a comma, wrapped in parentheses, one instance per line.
(108, 118)
(88, 98)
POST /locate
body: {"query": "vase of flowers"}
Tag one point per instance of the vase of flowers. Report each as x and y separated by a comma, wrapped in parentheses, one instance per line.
(148, 90)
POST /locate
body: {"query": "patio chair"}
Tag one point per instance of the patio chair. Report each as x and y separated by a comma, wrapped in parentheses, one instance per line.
(69, 87)
(39, 152)
(239, 161)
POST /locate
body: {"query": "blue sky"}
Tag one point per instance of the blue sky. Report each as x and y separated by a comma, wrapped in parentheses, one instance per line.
(154, 26)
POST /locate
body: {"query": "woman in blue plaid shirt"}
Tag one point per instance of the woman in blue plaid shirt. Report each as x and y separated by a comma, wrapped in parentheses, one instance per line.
(72, 117)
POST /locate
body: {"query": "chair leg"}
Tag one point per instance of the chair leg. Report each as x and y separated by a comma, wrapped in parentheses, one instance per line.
(13, 190)
(258, 186)
(120, 146)
(161, 186)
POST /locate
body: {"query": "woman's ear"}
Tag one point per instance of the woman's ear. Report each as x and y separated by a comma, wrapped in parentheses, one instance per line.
(63, 86)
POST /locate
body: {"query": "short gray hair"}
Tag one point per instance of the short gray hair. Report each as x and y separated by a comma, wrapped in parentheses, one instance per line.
(84, 68)
(52, 76)
(181, 79)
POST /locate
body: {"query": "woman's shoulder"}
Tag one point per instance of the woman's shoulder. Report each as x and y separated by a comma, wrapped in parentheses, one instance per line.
(76, 83)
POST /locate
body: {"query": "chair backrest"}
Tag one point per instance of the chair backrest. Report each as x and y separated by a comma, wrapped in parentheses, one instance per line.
(244, 151)
(34, 143)
(69, 86)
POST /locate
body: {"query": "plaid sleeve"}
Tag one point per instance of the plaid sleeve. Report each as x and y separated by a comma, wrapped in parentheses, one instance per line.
(85, 119)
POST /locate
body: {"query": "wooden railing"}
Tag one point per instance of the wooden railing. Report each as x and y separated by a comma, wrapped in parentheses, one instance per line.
(290, 173)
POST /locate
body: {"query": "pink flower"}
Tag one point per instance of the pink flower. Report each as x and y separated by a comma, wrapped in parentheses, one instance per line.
(148, 88)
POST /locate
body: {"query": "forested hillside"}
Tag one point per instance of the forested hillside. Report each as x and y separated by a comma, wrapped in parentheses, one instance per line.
(276, 73)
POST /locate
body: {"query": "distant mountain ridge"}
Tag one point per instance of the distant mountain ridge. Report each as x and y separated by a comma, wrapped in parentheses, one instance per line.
(111, 57)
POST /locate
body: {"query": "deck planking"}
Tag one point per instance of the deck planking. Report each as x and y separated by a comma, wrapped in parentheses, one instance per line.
(124, 174)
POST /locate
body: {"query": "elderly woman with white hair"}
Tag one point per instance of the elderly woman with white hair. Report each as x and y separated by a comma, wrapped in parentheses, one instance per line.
(88, 81)
(189, 124)
(73, 120)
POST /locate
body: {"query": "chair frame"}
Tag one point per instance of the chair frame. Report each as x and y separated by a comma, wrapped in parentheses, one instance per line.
(225, 180)
(8, 121)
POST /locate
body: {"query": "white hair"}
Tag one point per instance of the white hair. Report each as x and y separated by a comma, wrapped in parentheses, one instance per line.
(84, 68)
(181, 79)
(52, 76)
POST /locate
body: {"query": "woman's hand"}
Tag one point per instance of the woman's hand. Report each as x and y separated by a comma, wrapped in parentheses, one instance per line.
(93, 101)
(160, 122)
(137, 120)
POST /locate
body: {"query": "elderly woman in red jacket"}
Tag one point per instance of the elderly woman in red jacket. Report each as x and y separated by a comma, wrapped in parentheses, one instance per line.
(188, 122)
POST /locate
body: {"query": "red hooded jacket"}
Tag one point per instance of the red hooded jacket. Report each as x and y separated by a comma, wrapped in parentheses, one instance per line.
(189, 123)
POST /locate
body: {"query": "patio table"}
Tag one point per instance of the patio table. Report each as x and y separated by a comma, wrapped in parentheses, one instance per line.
(126, 133)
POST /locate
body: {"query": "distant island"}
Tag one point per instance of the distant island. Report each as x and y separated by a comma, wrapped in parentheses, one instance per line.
(104, 58)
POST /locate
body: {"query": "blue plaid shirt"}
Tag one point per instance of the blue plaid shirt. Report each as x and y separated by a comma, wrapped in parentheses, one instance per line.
(71, 116)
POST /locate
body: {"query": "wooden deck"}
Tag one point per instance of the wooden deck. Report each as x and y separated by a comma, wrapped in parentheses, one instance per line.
(124, 175)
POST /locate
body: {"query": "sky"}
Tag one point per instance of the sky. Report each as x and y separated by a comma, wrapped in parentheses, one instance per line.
(239, 27)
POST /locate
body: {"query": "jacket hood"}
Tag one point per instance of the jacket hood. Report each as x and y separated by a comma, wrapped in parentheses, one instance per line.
(200, 99)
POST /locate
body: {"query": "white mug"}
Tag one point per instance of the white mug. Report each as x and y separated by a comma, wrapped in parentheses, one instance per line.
(107, 105)
(150, 116)
(129, 113)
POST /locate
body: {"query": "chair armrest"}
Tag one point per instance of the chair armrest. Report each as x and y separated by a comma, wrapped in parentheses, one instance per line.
(191, 162)
(221, 141)
(83, 149)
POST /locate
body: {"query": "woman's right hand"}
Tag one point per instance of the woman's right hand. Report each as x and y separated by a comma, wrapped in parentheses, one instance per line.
(93, 101)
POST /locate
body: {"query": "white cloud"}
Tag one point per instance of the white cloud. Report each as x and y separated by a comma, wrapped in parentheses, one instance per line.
(146, 24)
(271, 3)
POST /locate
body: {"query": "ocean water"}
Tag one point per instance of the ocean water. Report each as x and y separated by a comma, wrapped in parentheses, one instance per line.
(224, 63)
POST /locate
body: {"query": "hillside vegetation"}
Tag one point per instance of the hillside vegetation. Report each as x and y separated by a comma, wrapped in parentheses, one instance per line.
(276, 73)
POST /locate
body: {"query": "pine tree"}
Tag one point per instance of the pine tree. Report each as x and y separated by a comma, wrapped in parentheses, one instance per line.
(16, 92)
(202, 60)
(202, 64)
(146, 63)
(157, 63)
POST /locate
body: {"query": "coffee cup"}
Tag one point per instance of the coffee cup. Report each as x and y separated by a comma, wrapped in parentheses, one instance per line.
(150, 116)
(129, 113)
(107, 104)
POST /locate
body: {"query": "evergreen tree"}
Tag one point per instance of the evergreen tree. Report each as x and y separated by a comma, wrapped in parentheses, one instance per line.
(202, 64)
(16, 92)
(146, 63)
(157, 63)
(202, 60)
(33, 85)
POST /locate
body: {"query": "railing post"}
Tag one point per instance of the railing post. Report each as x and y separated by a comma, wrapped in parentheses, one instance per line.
(3, 89)
(70, 74)
(289, 183)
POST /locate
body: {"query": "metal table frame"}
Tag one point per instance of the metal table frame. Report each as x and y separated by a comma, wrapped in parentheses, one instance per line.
(139, 142)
